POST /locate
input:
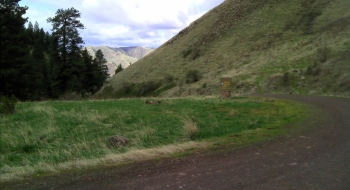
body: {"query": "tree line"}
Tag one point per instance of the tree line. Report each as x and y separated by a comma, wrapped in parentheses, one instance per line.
(37, 65)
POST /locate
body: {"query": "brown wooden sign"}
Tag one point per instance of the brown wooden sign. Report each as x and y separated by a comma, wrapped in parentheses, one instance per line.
(226, 87)
(225, 83)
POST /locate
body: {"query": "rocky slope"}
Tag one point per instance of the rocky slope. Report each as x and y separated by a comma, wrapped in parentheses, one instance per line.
(123, 55)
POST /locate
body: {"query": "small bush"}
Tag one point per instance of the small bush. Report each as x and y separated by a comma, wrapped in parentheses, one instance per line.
(323, 54)
(285, 79)
(8, 104)
(190, 129)
(187, 52)
(136, 90)
(308, 70)
(124, 91)
(126, 87)
(148, 87)
(308, 13)
(168, 79)
(71, 96)
(290, 25)
(164, 88)
(196, 54)
(193, 76)
(28, 148)
(314, 70)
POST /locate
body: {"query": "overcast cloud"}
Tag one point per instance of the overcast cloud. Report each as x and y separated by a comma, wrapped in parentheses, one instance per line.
(120, 23)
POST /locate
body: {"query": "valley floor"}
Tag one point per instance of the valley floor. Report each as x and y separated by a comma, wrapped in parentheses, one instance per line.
(313, 156)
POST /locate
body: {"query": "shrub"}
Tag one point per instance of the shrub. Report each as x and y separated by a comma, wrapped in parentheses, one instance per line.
(308, 13)
(323, 54)
(164, 88)
(193, 76)
(285, 79)
(196, 54)
(308, 70)
(106, 92)
(8, 104)
(168, 79)
(187, 52)
(314, 70)
(148, 87)
(70, 96)
(126, 87)
(190, 129)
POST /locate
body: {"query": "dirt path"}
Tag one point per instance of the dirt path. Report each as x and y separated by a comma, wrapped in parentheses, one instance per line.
(315, 157)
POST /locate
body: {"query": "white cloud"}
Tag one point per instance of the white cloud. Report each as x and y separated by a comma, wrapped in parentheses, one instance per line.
(124, 22)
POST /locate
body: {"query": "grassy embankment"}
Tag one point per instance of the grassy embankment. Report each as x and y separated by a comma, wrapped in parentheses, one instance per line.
(44, 137)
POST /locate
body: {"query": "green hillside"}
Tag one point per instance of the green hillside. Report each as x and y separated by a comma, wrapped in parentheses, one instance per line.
(266, 46)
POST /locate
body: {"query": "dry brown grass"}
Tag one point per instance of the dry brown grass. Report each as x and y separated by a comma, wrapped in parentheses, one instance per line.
(191, 129)
(12, 173)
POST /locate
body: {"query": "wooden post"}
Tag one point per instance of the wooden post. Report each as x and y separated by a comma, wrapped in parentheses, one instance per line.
(225, 94)
(225, 87)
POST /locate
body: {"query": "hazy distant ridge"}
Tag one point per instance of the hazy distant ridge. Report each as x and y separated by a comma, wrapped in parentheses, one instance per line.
(122, 55)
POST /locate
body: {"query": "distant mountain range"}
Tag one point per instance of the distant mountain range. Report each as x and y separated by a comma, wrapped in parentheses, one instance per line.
(122, 55)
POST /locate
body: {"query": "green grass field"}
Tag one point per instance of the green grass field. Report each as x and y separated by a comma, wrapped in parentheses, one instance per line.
(46, 137)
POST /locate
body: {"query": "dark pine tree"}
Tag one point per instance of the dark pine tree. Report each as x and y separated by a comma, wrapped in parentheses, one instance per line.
(89, 83)
(36, 30)
(119, 68)
(30, 33)
(67, 55)
(15, 69)
(101, 69)
(75, 71)
(56, 67)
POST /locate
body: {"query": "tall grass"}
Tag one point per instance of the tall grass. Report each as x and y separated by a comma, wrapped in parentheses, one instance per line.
(45, 136)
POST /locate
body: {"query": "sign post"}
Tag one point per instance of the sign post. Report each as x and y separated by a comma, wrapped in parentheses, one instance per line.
(225, 87)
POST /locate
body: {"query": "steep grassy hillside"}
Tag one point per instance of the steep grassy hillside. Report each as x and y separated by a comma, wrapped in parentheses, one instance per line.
(266, 46)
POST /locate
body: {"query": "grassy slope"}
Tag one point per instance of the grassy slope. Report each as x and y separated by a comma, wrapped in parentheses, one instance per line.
(265, 46)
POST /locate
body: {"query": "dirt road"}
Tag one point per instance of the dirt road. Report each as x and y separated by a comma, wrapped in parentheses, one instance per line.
(317, 156)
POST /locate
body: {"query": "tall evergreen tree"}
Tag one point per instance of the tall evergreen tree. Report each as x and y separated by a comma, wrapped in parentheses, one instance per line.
(119, 68)
(75, 71)
(65, 32)
(30, 27)
(36, 30)
(57, 86)
(30, 33)
(41, 37)
(102, 69)
(89, 83)
(14, 76)
(39, 62)
(47, 40)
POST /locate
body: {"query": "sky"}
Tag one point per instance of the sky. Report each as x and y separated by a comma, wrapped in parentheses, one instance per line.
(123, 23)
